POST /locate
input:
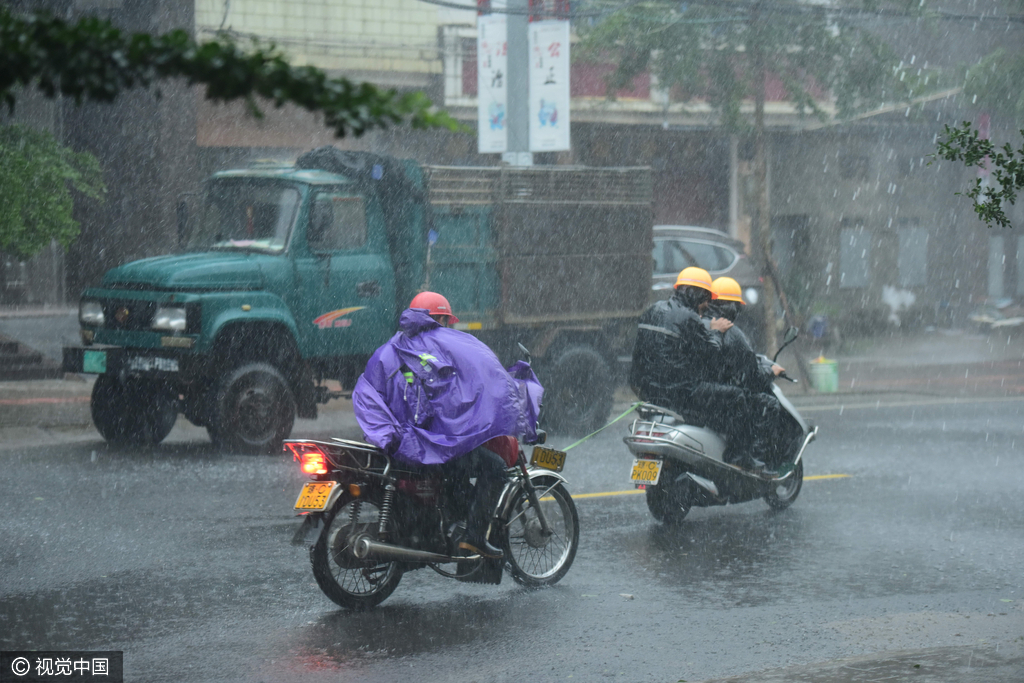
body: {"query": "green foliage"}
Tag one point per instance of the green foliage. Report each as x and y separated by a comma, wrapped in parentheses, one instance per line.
(93, 60)
(1006, 168)
(712, 52)
(37, 175)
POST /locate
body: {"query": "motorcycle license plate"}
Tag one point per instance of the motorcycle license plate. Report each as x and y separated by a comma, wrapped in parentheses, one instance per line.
(646, 471)
(548, 458)
(314, 496)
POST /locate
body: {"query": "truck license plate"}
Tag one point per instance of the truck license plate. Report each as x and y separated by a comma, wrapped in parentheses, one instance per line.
(548, 458)
(314, 496)
(646, 471)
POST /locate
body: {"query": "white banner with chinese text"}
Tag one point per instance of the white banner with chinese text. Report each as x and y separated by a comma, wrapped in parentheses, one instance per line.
(492, 83)
(549, 86)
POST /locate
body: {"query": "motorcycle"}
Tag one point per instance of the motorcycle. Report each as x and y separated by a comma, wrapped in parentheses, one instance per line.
(682, 465)
(381, 518)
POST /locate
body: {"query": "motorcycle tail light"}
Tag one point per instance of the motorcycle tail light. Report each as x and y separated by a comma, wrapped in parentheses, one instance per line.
(311, 459)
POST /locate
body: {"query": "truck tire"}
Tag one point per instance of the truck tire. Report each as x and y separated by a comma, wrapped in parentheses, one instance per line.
(133, 411)
(577, 391)
(254, 410)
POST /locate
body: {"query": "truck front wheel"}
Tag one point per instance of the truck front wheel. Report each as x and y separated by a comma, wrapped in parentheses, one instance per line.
(578, 391)
(133, 411)
(254, 410)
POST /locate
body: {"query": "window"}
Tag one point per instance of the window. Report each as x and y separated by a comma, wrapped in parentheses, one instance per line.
(246, 215)
(681, 254)
(854, 257)
(337, 221)
(912, 260)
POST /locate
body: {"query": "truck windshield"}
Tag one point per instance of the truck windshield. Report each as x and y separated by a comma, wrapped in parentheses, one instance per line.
(246, 215)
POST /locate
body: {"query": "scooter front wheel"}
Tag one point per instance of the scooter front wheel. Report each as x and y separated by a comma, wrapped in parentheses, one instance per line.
(782, 494)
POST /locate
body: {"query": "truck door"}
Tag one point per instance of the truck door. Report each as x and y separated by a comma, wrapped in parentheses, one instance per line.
(346, 287)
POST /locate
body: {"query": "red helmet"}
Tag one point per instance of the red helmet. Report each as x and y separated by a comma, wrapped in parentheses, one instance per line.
(434, 303)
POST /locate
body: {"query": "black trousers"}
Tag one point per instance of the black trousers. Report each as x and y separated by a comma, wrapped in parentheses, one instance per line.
(479, 501)
(748, 419)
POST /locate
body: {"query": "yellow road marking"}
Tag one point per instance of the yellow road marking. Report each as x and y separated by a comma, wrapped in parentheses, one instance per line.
(608, 494)
(910, 404)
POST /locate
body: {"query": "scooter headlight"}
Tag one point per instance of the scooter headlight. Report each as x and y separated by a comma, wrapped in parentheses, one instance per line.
(751, 296)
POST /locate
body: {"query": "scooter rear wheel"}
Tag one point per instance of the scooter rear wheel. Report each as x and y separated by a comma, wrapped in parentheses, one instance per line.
(780, 496)
(668, 505)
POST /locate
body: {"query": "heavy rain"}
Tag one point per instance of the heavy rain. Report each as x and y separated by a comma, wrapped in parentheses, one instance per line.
(280, 284)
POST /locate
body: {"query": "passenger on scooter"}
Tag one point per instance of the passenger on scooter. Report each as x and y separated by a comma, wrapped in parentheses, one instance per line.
(677, 364)
(433, 395)
(744, 368)
(740, 365)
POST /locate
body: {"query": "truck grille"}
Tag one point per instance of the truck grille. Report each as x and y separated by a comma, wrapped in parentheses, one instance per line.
(128, 314)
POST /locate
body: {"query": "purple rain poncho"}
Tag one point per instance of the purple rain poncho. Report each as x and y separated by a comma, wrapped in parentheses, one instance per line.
(431, 394)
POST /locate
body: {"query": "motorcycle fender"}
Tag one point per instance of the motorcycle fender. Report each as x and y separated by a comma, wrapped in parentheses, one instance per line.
(511, 488)
(310, 523)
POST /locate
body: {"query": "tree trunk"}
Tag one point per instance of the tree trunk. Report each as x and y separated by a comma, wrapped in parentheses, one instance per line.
(761, 223)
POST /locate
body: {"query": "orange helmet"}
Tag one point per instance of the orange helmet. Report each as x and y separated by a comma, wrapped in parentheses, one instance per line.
(695, 277)
(434, 303)
(727, 289)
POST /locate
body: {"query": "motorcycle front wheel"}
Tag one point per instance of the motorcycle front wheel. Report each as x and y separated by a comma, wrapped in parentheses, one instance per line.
(348, 581)
(535, 558)
(780, 496)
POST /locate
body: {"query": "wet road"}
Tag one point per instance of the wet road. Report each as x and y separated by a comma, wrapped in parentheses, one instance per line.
(912, 564)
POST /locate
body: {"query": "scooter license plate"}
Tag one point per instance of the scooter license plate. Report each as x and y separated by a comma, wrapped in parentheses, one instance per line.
(548, 458)
(314, 496)
(646, 471)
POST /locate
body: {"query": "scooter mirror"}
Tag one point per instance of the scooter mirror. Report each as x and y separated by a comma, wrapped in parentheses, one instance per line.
(526, 352)
(791, 334)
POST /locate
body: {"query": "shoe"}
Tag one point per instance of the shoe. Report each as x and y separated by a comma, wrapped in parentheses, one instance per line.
(481, 548)
(753, 464)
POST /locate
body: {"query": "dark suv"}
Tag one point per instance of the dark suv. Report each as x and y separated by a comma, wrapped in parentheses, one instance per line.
(680, 246)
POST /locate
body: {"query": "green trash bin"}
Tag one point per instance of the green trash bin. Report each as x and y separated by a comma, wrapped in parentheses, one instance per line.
(824, 375)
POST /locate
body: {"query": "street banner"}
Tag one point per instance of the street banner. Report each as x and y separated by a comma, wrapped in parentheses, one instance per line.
(492, 83)
(549, 85)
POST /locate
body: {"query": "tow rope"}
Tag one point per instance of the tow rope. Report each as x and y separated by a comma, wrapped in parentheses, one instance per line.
(630, 410)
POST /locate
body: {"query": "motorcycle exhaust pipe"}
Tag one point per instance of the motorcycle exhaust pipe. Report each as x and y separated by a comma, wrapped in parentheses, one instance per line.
(368, 549)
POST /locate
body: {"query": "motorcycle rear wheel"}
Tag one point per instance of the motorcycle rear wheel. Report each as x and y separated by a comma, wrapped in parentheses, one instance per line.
(533, 559)
(350, 582)
(782, 495)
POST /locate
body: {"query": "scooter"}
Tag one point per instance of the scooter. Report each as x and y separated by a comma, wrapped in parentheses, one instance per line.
(682, 465)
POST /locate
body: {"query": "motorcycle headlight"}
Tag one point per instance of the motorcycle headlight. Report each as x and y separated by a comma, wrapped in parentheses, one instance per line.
(90, 313)
(169, 318)
(751, 295)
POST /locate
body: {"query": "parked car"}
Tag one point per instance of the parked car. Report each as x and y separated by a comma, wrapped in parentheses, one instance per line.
(680, 246)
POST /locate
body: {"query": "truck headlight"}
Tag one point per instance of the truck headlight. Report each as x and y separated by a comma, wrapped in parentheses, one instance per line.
(90, 313)
(168, 318)
(751, 295)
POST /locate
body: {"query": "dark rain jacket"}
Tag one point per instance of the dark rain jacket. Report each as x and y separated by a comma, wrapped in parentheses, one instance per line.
(674, 352)
(741, 366)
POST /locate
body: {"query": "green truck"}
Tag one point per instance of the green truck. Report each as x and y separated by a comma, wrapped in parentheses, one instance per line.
(291, 276)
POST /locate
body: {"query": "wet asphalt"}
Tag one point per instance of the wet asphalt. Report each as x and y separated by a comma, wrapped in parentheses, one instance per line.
(909, 566)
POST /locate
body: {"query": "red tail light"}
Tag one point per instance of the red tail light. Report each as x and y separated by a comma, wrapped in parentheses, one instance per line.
(312, 460)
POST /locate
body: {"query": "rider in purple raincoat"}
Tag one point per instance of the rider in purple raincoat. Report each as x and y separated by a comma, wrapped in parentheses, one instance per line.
(433, 396)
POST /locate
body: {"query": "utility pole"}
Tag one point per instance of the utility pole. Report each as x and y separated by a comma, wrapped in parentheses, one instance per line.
(518, 153)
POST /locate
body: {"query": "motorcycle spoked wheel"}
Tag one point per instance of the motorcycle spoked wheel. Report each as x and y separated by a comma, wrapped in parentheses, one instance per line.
(780, 496)
(348, 581)
(532, 558)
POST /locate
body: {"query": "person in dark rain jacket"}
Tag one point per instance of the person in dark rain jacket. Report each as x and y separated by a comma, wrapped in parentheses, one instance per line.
(677, 363)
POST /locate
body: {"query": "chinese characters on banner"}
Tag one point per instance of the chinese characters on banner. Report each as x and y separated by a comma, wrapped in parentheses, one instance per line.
(549, 86)
(492, 82)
